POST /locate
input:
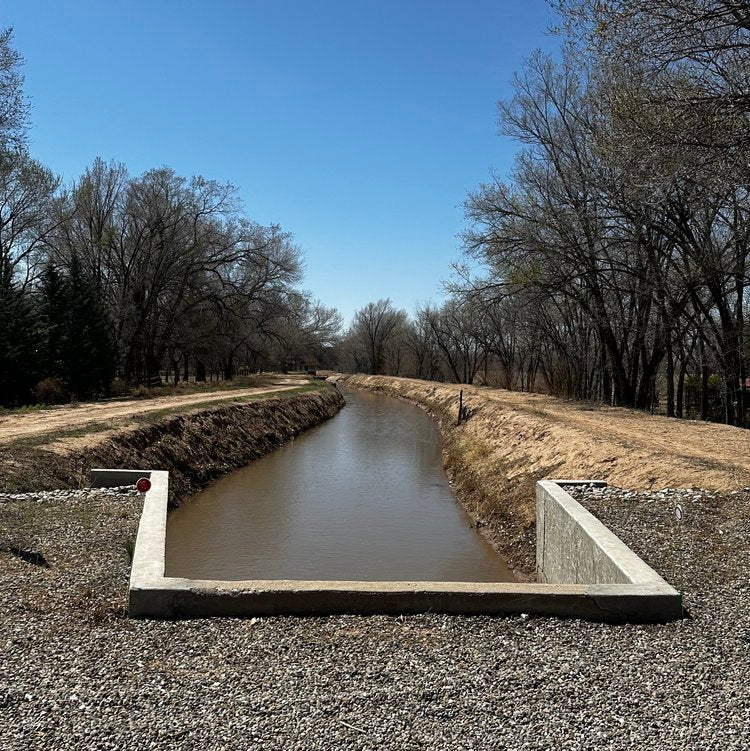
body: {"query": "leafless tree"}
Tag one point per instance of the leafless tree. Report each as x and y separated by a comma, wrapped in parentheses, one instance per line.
(14, 107)
(373, 330)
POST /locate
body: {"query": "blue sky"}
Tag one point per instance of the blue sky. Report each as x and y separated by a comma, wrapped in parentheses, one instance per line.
(357, 125)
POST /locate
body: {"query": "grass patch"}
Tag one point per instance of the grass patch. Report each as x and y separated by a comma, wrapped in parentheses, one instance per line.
(43, 439)
(27, 408)
(129, 548)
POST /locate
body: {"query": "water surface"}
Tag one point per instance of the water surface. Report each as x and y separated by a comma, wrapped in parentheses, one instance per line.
(361, 497)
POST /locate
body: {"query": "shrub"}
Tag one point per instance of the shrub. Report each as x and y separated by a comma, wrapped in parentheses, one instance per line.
(118, 387)
(51, 390)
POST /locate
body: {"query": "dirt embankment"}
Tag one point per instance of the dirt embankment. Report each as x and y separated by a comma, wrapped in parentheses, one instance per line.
(112, 415)
(512, 439)
(196, 447)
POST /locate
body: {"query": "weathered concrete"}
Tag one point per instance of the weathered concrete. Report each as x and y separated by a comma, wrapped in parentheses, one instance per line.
(574, 547)
(147, 569)
(192, 598)
(153, 595)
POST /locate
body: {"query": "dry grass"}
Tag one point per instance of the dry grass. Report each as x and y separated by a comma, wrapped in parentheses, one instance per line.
(79, 421)
(196, 441)
(537, 434)
(513, 439)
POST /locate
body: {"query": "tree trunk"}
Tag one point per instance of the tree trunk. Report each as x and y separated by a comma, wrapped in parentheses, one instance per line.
(606, 380)
(704, 381)
(729, 403)
(681, 388)
(200, 371)
(670, 380)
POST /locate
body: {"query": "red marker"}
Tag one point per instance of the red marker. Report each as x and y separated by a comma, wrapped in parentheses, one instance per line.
(143, 485)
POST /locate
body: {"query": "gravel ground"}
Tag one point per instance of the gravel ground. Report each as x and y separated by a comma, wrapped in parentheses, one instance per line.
(75, 673)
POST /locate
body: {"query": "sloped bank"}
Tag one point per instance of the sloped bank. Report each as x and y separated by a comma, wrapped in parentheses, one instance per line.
(512, 439)
(194, 447)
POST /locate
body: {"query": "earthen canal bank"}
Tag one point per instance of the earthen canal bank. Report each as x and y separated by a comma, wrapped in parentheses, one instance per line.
(510, 440)
(195, 447)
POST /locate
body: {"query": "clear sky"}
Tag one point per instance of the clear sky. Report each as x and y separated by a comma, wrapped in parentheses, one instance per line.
(358, 125)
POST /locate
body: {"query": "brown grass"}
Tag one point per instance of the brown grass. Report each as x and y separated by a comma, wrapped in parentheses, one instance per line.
(513, 439)
(195, 443)
(91, 418)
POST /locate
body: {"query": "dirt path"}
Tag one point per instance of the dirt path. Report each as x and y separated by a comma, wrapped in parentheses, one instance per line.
(56, 420)
(712, 445)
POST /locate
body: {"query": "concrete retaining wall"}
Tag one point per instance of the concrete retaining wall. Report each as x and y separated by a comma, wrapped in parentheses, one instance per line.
(574, 547)
(644, 597)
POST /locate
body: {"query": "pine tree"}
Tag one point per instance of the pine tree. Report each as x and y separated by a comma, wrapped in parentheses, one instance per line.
(78, 346)
(54, 305)
(20, 341)
(88, 356)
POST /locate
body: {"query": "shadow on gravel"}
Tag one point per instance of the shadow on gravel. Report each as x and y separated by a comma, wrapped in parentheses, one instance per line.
(30, 556)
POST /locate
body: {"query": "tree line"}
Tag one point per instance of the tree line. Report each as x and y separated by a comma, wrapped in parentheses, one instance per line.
(615, 257)
(613, 261)
(136, 278)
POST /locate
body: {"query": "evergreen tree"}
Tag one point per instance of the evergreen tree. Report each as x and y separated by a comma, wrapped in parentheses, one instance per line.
(78, 346)
(53, 308)
(88, 356)
(20, 348)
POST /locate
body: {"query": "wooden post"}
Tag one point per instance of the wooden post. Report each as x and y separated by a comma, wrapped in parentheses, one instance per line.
(460, 406)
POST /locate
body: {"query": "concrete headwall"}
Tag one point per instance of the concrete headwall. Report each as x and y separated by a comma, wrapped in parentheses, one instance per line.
(153, 595)
(574, 547)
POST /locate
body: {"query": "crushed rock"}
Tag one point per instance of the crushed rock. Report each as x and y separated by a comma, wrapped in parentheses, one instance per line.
(76, 673)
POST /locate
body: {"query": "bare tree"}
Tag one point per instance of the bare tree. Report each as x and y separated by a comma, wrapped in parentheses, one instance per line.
(14, 108)
(27, 215)
(456, 327)
(373, 330)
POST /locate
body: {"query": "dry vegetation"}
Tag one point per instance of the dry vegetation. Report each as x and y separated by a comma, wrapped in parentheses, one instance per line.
(512, 439)
(197, 437)
(49, 424)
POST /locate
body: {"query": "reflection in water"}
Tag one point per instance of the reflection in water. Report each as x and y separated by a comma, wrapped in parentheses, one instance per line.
(361, 497)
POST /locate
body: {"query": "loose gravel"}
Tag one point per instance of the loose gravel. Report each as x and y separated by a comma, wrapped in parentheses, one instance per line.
(76, 673)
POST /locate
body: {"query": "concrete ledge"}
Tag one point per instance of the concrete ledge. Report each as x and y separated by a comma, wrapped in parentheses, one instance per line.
(192, 598)
(153, 595)
(112, 478)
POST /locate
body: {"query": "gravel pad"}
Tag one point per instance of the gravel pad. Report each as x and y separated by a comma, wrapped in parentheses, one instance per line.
(76, 673)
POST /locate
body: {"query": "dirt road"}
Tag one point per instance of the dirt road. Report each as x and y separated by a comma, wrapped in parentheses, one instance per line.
(720, 453)
(112, 414)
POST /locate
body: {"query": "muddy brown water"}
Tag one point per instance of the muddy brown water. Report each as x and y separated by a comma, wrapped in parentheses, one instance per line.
(362, 497)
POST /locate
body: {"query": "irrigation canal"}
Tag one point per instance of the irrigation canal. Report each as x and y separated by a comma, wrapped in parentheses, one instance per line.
(362, 497)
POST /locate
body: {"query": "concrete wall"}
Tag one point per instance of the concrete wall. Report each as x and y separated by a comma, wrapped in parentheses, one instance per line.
(153, 595)
(574, 547)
